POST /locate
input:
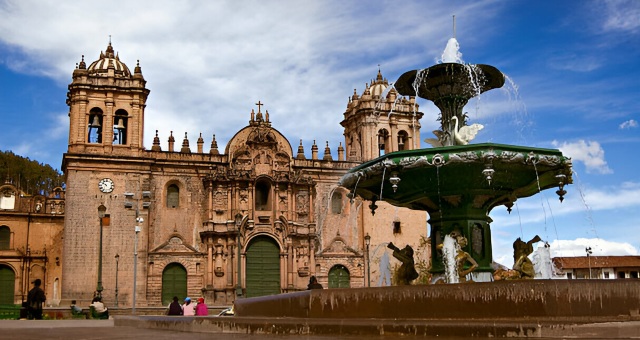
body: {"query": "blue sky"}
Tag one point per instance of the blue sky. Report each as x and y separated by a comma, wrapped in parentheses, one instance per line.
(573, 66)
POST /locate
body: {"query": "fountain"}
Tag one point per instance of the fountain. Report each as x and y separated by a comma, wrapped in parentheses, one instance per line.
(458, 184)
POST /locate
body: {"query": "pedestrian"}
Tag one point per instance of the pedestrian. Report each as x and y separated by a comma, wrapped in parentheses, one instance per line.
(35, 300)
(313, 283)
(188, 308)
(174, 307)
(201, 308)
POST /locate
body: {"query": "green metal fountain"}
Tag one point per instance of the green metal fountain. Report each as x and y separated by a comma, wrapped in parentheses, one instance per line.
(458, 183)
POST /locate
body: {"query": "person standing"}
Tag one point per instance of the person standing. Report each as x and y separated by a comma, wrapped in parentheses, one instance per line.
(201, 308)
(174, 307)
(35, 300)
(188, 309)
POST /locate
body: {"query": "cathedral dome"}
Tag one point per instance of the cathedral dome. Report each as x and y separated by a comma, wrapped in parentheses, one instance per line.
(109, 59)
(378, 86)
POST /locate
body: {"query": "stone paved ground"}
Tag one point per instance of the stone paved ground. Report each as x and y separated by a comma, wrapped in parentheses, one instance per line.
(105, 329)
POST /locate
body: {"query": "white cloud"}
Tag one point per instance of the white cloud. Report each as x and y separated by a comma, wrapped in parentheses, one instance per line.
(208, 63)
(599, 247)
(631, 123)
(575, 63)
(621, 15)
(590, 153)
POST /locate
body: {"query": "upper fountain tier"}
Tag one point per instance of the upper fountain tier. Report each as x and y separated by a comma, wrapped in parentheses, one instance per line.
(450, 86)
(449, 81)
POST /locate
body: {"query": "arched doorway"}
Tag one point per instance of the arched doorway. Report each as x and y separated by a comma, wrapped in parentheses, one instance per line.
(339, 277)
(174, 283)
(7, 285)
(263, 267)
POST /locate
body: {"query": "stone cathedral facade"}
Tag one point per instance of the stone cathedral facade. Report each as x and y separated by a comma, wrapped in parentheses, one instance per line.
(255, 218)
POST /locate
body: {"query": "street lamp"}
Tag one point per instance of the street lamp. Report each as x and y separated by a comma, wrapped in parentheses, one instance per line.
(367, 242)
(101, 214)
(239, 283)
(117, 259)
(137, 229)
(589, 252)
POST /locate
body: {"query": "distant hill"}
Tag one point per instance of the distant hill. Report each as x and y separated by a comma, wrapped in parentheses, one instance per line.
(28, 175)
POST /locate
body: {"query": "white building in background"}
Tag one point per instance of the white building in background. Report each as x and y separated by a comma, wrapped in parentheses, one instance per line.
(597, 267)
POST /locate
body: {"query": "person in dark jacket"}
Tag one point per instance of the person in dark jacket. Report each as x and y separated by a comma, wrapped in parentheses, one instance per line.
(313, 283)
(35, 300)
(174, 307)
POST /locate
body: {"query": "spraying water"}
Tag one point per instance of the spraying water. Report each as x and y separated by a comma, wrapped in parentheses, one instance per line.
(449, 250)
(452, 53)
(542, 264)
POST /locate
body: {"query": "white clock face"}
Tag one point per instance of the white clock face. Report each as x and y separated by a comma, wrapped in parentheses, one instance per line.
(106, 185)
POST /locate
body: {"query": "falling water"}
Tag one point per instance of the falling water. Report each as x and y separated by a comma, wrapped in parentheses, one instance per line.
(383, 262)
(516, 118)
(449, 250)
(542, 264)
(352, 220)
(544, 210)
(584, 202)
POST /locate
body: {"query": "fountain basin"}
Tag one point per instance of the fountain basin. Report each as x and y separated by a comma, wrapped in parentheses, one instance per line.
(449, 79)
(430, 178)
(539, 300)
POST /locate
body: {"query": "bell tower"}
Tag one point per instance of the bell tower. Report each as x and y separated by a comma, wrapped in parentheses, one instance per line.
(106, 107)
(379, 122)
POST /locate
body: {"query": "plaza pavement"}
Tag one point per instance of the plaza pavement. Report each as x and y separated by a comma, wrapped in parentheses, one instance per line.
(196, 328)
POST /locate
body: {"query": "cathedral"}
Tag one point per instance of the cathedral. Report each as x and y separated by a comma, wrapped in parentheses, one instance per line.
(257, 217)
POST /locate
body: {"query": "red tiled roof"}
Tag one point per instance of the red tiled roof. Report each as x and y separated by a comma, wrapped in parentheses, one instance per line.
(596, 262)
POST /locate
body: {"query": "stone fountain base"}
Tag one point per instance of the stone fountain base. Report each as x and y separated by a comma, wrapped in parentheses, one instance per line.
(550, 308)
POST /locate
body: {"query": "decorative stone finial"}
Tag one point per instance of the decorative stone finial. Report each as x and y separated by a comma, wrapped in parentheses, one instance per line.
(214, 146)
(156, 143)
(300, 154)
(314, 150)
(327, 153)
(171, 141)
(200, 143)
(185, 145)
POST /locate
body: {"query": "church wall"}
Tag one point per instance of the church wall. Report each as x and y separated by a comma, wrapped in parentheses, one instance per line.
(413, 231)
(34, 250)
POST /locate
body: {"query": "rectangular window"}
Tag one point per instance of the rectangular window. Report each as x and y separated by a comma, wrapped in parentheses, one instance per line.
(621, 275)
(569, 276)
(633, 274)
(396, 227)
(606, 275)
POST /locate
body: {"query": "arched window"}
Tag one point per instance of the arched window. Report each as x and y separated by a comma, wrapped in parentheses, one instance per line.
(173, 196)
(5, 238)
(263, 195)
(339, 277)
(383, 138)
(336, 203)
(403, 137)
(120, 124)
(94, 126)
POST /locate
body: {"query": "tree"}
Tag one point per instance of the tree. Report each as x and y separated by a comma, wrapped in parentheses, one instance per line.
(28, 175)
